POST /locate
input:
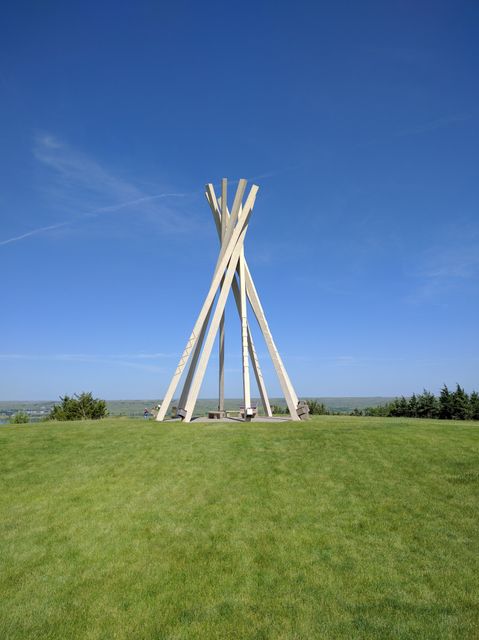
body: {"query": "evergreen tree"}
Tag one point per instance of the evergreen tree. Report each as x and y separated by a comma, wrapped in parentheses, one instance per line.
(460, 404)
(79, 407)
(445, 404)
(427, 405)
(403, 406)
(457, 405)
(474, 406)
(394, 408)
(380, 411)
(412, 406)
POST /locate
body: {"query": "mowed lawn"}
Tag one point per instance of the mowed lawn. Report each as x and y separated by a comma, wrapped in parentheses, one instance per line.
(334, 528)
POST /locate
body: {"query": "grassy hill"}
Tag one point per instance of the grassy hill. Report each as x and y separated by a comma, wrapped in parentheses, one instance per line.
(335, 528)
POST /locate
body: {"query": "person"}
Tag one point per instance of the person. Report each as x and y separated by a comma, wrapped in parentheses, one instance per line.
(145, 414)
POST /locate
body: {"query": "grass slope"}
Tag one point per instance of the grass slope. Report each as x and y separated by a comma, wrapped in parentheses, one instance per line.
(335, 528)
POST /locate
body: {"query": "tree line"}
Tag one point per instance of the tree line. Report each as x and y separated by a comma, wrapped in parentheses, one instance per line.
(450, 405)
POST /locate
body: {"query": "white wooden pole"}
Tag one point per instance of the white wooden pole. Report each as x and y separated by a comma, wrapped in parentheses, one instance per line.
(223, 259)
(286, 386)
(259, 376)
(244, 336)
(254, 357)
(213, 329)
(194, 361)
(221, 381)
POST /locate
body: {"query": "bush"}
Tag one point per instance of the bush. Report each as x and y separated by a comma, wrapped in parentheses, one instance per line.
(316, 408)
(20, 418)
(356, 412)
(277, 410)
(377, 412)
(79, 407)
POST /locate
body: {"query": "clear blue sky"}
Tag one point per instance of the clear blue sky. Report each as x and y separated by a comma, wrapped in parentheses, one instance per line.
(359, 122)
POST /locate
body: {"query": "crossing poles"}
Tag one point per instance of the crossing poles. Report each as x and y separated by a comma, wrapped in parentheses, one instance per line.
(232, 235)
(231, 272)
(214, 206)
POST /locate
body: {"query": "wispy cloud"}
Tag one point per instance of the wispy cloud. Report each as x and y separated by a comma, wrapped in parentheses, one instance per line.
(34, 232)
(81, 187)
(143, 361)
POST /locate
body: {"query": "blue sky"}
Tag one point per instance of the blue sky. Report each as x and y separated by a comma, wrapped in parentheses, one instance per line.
(360, 124)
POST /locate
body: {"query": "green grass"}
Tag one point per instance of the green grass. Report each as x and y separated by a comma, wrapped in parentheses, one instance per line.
(335, 528)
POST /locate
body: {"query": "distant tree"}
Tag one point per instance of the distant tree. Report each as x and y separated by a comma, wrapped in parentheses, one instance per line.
(427, 405)
(398, 408)
(451, 405)
(316, 408)
(412, 406)
(20, 418)
(460, 404)
(474, 406)
(445, 404)
(79, 407)
(276, 409)
(356, 412)
(380, 411)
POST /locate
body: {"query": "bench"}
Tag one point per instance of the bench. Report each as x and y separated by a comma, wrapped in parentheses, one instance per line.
(217, 415)
(251, 412)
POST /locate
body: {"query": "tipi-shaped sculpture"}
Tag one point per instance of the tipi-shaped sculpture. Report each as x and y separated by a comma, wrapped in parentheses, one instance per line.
(231, 272)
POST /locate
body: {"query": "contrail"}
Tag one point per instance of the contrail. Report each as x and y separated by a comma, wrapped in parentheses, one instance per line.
(33, 232)
(115, 207)
(95, 212)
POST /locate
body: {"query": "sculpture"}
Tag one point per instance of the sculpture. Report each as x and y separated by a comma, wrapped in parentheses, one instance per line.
(231, 272)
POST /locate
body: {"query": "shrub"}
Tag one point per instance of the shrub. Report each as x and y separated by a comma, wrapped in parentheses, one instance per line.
(316, 408)
(79, 407)
(356, 412)
(277, 410)
(20, 418)
(377, 412)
